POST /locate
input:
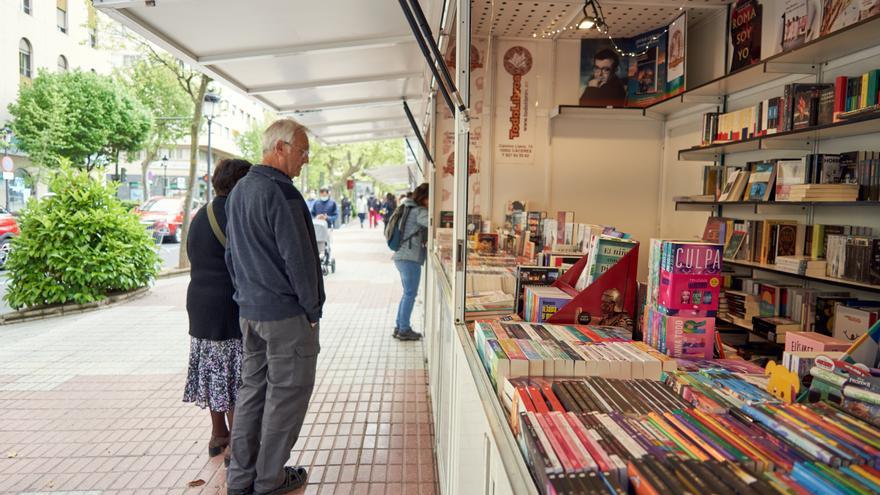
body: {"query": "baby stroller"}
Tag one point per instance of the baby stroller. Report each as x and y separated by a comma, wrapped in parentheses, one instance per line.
(322, 237)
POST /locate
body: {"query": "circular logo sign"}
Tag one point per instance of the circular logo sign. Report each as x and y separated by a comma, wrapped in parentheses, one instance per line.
(518, 61)
(8, 164)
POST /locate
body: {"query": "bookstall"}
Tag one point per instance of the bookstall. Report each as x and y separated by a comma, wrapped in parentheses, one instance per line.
(653, 240)
(653, 260)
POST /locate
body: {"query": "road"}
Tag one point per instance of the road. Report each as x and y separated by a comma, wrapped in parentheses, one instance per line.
(169, 253)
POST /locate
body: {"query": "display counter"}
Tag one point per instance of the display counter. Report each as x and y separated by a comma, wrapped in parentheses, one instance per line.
(476, 451)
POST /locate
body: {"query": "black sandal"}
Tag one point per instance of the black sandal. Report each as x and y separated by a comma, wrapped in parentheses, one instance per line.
(216, 445)
(294, 478)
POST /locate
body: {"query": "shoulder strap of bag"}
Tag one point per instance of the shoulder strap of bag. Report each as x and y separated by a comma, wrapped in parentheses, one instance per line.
(215, 226)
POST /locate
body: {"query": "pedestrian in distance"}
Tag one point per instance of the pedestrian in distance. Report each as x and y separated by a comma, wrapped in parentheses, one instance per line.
(387, 208)
(346, 210)
(215, 351)
(409, 257)
(273, 257)
(362, 208)
(373, 209)
(325, 208)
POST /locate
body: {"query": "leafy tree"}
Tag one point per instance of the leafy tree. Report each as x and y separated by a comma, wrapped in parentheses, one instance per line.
(78, 245)
(158, 91)
(250, 143)
(77, 115)
(195, 85)
(338, 163)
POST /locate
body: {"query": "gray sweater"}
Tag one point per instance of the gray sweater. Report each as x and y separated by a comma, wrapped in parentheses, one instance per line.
(415, 229)
(271, 251)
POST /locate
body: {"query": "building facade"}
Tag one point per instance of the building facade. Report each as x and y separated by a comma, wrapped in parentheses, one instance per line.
(168, 175)
(55, 35)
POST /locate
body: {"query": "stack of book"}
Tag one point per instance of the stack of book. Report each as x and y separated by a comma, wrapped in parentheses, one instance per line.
(533, 276)
(519, 349)
(710, 431)
(741, 306)
(801, 265)
(541, 302)
(488, 304)
(823, 192)
(684, 287)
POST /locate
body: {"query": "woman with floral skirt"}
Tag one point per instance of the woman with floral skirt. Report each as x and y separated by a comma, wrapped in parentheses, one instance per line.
(215, 355)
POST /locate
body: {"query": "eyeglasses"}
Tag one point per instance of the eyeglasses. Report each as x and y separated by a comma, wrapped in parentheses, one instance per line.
(303, 153)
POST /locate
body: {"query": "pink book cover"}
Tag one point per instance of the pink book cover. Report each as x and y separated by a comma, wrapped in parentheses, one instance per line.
(813, 342)
(689, 337)
(690, 276)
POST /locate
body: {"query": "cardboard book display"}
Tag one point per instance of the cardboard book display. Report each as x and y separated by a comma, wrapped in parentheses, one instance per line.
(610, 300)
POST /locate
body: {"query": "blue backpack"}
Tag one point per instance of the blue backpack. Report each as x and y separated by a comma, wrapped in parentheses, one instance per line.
(394, 227)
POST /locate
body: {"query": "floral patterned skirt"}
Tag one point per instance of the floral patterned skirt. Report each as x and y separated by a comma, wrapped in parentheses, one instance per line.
(214, 374)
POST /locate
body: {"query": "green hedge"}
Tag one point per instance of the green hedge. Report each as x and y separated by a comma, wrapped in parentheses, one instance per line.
(77, 246)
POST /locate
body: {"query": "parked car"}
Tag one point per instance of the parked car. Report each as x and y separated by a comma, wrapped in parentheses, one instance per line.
(8, 230)
(164, 214)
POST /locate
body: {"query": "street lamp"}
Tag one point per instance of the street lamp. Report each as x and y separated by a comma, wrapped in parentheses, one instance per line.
(209, 106)
(165, 175)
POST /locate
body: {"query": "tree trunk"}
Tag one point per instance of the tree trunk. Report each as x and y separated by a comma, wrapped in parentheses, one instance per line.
(193, 166)
(145, 169)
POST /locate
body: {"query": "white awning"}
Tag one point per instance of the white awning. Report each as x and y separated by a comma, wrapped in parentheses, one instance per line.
(341, 67)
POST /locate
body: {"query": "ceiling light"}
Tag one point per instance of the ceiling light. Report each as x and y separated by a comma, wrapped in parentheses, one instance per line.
(593, 17)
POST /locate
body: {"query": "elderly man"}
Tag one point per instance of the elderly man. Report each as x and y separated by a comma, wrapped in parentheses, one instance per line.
(273, 259)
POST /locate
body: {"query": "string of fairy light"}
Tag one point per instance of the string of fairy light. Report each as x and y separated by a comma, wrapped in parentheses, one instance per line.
(605, 31)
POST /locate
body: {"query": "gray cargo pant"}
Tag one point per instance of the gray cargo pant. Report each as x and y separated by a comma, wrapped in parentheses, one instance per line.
(278, 375)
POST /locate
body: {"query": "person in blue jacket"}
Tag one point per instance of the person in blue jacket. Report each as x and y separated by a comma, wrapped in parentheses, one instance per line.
(326, 206)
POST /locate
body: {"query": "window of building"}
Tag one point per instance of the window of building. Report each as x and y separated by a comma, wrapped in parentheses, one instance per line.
(25, 58)
(62, 63)
(61, 19)
(26, 7)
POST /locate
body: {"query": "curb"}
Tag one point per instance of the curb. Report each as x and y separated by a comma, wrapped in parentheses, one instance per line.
(172, 272)
(45, 312)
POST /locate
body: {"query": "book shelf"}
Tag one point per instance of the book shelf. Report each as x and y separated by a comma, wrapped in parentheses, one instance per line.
(805, 59)
(798, 139)
(688, 205)
(851, 284)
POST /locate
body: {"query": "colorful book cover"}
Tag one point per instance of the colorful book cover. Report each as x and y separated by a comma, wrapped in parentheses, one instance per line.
(688, 337)
(690, 276)
(734, 244)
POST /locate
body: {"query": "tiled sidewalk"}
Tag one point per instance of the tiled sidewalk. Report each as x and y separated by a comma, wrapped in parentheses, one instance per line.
(91, 403)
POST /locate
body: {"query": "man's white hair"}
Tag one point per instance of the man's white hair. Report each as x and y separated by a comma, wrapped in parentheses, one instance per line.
(280, 130)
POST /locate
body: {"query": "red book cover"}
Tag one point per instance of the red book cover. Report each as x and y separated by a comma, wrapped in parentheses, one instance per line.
(569, 441)
(551, 398)
(525, 399)
(839, 95)
(538, 400)
(565, 456)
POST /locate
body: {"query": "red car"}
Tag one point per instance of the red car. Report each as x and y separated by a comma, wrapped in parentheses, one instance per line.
(8, 230)
(167, 213)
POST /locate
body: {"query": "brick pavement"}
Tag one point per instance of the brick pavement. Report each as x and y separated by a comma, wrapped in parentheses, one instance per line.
(91, 403)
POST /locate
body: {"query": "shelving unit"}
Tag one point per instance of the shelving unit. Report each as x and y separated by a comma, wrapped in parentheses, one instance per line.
(826, 280)
(695, 205)
(806, 60)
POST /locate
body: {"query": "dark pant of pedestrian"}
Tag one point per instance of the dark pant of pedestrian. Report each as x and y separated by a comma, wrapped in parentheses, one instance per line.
(361, 217)
(278, 375)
